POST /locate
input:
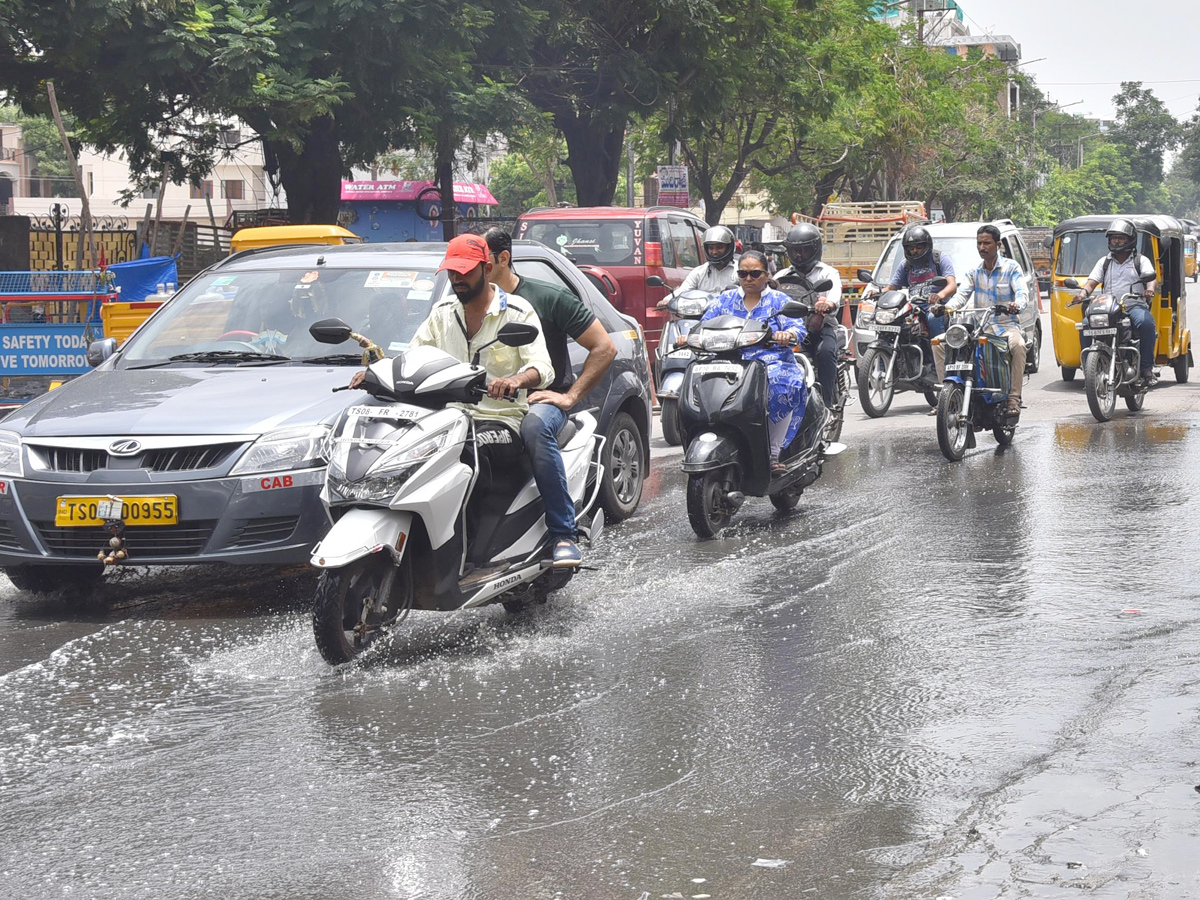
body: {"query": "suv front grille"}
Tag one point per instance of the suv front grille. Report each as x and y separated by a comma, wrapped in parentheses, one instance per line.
(168, 459)
(185, 539)
(8, 538)
(251, 532)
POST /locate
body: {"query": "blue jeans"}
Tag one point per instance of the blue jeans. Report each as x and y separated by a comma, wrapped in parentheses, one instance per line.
(1143, 323)
(539, 432)
(937, 324)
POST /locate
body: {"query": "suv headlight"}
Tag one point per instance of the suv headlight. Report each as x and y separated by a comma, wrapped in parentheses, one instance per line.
(290, 448)
(10, 454)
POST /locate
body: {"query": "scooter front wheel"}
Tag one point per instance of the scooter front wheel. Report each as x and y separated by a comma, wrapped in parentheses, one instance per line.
(953, 425)
(706, 504)
(340, 628)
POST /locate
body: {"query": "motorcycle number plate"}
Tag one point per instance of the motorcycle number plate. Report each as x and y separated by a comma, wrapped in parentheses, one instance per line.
(1098, 332)
(386, 412)
(959, 366)
(679, 354)
(891, 329)
(716, 369)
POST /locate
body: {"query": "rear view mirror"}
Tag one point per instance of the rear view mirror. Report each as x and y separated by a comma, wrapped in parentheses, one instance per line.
(517, 334)
(938, 284)
(864, 275)
(329, 331)
(99, 351)
(823, 285)
(1071, 283)
(655, 281)
(1048, 242)
(794, 309)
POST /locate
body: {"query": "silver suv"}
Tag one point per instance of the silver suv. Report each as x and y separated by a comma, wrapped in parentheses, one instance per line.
(956, 240)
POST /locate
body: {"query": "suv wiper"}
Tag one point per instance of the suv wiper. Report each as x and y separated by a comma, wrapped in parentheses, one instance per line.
(337, 359)
(225, 356)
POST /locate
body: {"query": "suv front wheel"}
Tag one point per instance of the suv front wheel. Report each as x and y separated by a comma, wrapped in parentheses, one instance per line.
(42, 579)
(623, 469)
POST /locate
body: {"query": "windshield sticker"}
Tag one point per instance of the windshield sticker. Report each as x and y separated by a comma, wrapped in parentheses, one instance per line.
(224, 279)
(309, 277)
(390, 279)
(419, 295)
(423, 284)
(561, 240)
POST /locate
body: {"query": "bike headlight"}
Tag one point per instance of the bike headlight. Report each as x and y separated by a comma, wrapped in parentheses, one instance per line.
(1099, 321)
(10, 454)
(957, 336)
(885, 316)
(290, 448)
(400, 458)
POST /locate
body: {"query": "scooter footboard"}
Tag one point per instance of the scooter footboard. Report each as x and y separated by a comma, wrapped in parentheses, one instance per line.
(359, 533)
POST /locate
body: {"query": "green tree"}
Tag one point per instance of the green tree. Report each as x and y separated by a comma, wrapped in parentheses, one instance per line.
(40, 142)
(1146, 131)
(1105, 183)
(1189, 156)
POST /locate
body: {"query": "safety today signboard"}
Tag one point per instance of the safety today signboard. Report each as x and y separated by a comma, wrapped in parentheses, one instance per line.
(673, 186)
(41, 349)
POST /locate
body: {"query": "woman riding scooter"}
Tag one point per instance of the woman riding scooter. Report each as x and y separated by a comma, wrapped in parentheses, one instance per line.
(755, 300)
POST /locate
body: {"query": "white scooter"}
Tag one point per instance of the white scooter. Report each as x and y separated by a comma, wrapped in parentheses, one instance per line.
(421, 518)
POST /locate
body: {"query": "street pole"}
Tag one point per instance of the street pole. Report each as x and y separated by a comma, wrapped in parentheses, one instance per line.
(628, 171)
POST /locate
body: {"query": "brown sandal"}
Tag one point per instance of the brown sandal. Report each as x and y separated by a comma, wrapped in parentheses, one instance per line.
(1012, 407)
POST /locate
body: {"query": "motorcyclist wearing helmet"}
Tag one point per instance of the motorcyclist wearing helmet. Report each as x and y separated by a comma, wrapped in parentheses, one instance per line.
(1117, 272)
(922, 263)
(803, 245)
(719, 273)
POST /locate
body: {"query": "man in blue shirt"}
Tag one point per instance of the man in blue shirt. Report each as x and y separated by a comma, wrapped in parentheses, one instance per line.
(998, 281)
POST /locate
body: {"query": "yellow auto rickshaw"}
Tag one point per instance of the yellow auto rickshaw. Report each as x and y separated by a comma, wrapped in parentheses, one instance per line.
(1078, 244)
(1191, 265)
(280, 235)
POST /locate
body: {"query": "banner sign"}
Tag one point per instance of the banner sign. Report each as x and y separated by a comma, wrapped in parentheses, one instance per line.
(43, 350)
(673, 186)
(464, 191)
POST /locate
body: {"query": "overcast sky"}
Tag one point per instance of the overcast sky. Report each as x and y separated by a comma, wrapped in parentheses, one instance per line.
(1083, 41)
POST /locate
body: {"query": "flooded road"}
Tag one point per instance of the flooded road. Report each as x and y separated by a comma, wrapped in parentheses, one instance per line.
(972, 681)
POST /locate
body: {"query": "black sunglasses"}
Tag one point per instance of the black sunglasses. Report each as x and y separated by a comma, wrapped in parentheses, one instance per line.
(751, 273)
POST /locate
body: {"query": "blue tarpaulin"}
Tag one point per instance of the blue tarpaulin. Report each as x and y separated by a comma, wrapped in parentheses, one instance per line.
(139, 278)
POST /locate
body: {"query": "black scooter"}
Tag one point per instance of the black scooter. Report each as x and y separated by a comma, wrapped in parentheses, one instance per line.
(723, 411)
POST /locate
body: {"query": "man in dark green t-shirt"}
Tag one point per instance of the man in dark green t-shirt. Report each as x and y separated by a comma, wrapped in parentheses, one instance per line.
(563, 316)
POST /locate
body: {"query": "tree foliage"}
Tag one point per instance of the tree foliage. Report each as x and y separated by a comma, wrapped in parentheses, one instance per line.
(1105, 183)
(1146, 131)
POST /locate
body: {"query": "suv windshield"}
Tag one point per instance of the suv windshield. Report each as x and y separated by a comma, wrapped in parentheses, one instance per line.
(961, 250)
(242, 315)
(608, 242)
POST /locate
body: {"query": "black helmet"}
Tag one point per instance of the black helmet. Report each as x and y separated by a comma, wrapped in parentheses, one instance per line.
(917, 243)
(803, 245)
(721, 240)
(1124, 233)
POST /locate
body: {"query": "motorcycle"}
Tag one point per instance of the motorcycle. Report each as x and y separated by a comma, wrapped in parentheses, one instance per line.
(1112, 362)
(901, 356)
(797, 287)
(686, 310)
(723, 410)
(421, 518)
(967, 403)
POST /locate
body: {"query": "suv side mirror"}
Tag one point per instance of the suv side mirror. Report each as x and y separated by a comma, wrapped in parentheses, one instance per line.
(329, 331)
(99, 351)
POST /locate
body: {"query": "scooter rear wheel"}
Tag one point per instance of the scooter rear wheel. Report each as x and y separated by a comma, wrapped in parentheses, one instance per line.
(669, 417)
(706, 511)
(1135, 401)
(337, 606)
(953, 424)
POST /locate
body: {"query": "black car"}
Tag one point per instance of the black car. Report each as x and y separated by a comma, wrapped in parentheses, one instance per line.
(208, 423)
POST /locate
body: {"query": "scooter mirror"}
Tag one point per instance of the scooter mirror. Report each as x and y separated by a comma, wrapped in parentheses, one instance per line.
(517, 334)
(822, 285)
(938, 284)
(329, 331)
(794, 309)
(1071, 283)
(655, 281)
(864, 275)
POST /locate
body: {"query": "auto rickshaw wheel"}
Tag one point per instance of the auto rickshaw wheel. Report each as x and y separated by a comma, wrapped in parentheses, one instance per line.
(1068, 373)
(1180, 365)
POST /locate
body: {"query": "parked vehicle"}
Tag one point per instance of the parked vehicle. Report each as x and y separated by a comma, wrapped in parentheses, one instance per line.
(422, 518)
(211, 417)
(902, 357)
(671, 362)
(1112, 362)
(1079, 244)
(290, 235)
(957, 240)
(975, 385)
(723, 410)
(619, 248)
(1191, 261)
(796, 286)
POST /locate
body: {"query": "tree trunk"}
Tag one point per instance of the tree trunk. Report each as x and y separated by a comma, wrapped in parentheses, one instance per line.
(312, 175)
(593, 155)
(443, 166)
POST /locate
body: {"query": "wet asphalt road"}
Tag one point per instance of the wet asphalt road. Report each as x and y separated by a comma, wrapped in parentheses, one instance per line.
(974, 680)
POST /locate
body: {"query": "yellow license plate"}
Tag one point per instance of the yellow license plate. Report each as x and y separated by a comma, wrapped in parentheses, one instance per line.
(73, 512)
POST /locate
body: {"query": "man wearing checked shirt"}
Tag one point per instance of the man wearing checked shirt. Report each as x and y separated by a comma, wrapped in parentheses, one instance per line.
(999, 282)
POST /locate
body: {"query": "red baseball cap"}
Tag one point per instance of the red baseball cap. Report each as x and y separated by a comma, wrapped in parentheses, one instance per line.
(464, 253)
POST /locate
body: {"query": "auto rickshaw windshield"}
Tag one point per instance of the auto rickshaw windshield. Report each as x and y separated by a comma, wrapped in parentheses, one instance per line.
(1079, 251)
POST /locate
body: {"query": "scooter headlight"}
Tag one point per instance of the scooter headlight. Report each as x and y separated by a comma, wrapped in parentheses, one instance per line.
(748, 338)
(399, 459)
(957, 336)
(690, 307)
(885, 316)
(712, 341)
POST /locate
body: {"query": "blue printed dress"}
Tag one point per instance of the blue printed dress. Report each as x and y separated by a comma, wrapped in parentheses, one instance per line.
(786, 378)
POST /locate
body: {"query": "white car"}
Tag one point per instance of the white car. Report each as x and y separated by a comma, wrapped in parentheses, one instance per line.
(956, 240)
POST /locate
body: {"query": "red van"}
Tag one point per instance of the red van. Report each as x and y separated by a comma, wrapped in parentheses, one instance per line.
(618, 248)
